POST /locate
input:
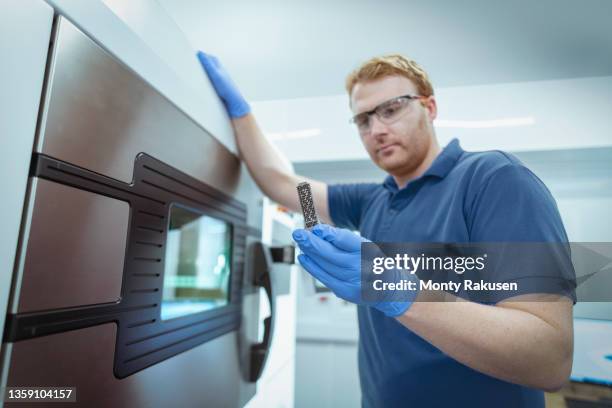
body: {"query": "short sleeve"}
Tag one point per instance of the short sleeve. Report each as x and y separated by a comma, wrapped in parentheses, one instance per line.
(515, 205)
(515, 210)
(347, 202)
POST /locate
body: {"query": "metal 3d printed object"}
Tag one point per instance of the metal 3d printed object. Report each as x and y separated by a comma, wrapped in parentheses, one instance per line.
(308, 209)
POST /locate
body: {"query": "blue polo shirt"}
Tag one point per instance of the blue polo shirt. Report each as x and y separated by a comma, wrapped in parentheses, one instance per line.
(463, 197)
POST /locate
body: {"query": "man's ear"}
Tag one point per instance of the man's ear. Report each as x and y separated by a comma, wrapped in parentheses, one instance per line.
(431, 106)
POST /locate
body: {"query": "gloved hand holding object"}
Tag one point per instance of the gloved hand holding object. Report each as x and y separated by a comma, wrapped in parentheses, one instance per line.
(333, 256)
(234, 102)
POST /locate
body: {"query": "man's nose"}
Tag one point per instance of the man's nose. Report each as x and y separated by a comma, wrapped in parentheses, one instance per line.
(376, 126)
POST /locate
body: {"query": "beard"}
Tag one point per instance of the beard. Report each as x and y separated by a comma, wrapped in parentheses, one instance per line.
(408, 154)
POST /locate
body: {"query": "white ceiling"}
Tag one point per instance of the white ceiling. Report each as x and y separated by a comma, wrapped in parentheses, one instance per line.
(285, 49)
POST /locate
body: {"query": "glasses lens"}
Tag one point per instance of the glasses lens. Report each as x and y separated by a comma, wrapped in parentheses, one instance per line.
(362, 121)
(389, 111)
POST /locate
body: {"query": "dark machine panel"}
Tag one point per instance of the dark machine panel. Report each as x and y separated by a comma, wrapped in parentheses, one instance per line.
(143, 338)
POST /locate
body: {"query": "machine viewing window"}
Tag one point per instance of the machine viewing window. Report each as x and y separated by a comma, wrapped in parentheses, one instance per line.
(197, 264)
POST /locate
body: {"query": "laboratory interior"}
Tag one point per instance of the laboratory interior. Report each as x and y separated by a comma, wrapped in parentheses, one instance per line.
(159, 250)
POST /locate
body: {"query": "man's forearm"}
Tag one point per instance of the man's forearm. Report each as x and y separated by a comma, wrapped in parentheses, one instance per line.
(268, 167)
(272, 172)
(506, 343)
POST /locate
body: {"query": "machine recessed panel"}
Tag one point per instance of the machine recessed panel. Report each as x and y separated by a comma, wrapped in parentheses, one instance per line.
(75, 249)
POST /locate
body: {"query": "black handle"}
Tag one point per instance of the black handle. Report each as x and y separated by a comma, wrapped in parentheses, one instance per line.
(262, 259)
(262, 265)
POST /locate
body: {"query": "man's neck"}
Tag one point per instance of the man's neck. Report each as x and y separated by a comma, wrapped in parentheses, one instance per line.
(403, 179)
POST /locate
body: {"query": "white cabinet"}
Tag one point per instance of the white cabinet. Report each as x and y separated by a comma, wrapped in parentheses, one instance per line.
(275, 388)
(327, 374)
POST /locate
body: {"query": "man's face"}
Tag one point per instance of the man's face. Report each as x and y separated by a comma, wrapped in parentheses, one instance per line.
(399, 147)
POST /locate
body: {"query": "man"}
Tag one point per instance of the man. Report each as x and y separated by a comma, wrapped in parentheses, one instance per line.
(414, 353)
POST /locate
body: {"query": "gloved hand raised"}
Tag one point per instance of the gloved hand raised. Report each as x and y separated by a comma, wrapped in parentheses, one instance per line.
(333, 256)
(234, 102)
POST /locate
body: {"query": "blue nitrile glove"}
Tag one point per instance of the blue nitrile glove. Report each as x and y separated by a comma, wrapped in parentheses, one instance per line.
(333, 256)
(234, 102)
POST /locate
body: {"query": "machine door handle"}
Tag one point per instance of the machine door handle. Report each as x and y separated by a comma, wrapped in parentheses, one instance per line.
(262, 265)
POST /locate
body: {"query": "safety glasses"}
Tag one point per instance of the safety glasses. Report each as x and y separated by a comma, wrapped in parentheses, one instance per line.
(387, 112)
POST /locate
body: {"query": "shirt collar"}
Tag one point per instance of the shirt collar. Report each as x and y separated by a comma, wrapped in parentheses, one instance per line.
(441, 166)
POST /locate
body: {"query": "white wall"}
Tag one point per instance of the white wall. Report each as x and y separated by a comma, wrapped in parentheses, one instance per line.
(565, 114)
(581, 182)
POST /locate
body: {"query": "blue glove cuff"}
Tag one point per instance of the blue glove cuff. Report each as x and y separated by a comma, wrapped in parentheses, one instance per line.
(395, 309)
(238, 108)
